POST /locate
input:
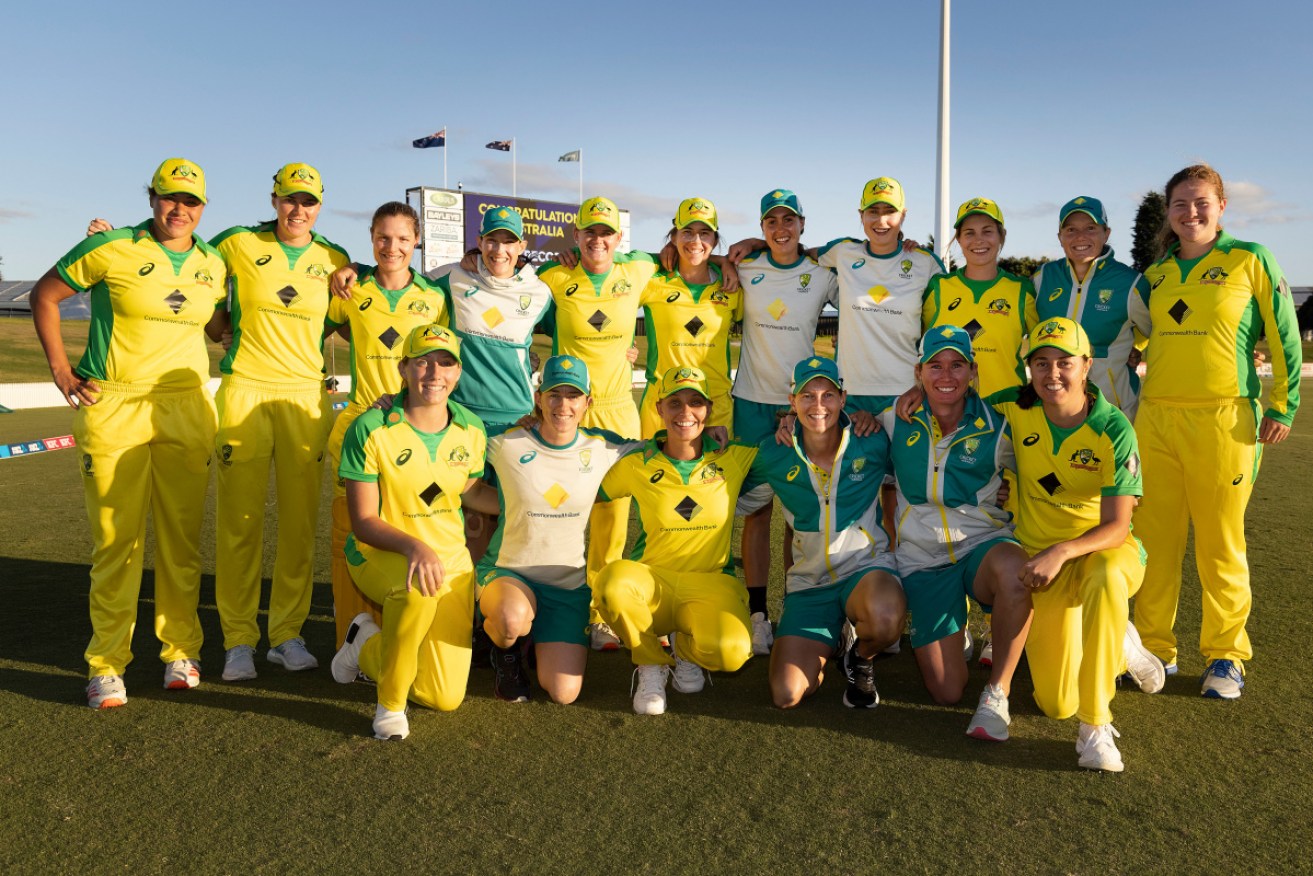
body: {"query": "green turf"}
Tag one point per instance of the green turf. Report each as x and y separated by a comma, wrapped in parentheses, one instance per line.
(279, 774)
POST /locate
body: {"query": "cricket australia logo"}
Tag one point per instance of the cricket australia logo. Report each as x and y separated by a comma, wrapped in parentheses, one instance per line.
(459, 457)
(585, 461)
(905, 267)
(1085, 460)
(1214, 276)
(712, 473)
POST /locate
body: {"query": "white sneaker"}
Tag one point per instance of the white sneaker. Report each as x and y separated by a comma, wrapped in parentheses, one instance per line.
(1146, 670)
(239, 663)
(346, 662)
(390, 726)
(1171, 668)
(293, 656)
(603, 638)
(1097, 748)
(182, 674)
(106, 692)
(986, 657)
(650, 696)
(763, 636)
(687, 677)
(991, 720)
(1222, 680)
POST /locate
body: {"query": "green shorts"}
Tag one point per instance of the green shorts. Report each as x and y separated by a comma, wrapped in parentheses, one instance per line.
(876, 404)
(936, 598)
(818, 613)
(754, 422)
(562, 615)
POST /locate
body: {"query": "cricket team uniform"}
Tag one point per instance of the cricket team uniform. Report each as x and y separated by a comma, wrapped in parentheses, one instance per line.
(997, 314)
(423, 652)
(688, 324)
(879, 300)
(146, 443)
(593, 317)
(679, 577)
(546, 493)
(1075, 644)
(379, 320)
(1110, 306)
(494, 319)
(948, 519)
(837, 534)
(1197, 425)
(781, 308)
(273, 407)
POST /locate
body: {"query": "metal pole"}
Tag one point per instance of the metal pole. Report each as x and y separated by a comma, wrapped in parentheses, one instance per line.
(581, 176)
(444, 159)
(513, 167)
(942, 207)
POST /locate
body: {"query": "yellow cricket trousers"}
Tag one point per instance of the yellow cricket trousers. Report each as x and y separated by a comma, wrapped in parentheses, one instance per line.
(608, 522)
(708, 609)
(423, 653)
(1199, 462)
(260, 423)
(144, 449)
(1075, 648)
(348, 601)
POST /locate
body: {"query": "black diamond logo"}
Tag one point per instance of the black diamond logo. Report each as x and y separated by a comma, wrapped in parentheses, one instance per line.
(1179, 311)
(1051, 484)
(688, 509)
(599, 320)
(694, 326)
(177, 301)
(390, 337)
(430, 493)
(973, 328)
(287, 295)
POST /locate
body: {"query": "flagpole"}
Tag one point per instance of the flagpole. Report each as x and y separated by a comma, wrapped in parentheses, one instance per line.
(581, 176)
(444, 157)
(941, 183)
(513, 194)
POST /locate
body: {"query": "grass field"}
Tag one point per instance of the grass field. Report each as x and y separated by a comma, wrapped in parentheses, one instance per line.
(280, 774)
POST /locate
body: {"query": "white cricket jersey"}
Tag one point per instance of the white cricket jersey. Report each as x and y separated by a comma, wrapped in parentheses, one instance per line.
(546, 494)
(879, 302)
(781, 305)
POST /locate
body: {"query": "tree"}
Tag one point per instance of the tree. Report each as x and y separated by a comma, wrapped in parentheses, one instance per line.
(1022, 266)
(1149, 221)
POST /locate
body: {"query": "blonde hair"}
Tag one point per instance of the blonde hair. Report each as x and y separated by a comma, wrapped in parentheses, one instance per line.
(1203, 172)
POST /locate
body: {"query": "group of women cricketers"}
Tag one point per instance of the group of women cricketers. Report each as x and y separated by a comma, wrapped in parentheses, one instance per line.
(971, 438)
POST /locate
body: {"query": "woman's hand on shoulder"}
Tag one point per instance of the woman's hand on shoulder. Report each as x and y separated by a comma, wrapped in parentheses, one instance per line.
(341, 280)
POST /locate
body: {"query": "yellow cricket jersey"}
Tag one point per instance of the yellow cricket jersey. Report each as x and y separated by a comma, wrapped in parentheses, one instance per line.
(1063, 474)
(997, 314)
(279, 298)
(380, 319)
(685, 509)
(1207, 315)
(688, 324)
(594, 317)
(149, 306)
(420, 475)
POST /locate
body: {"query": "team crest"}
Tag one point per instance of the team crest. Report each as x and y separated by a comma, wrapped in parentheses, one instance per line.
(1214, 276)
(712, 473)
(621, 287)
(226, 454)
(419, 308)
(1000, 307)
(804, 280)
(317, 271)
(719, 297)
(204, 278)
(970, 445)
(1085, 459)
(586, 460)
(1105, 295)
(524, 302)
(859, 463)
(458, 457)
(906, 267)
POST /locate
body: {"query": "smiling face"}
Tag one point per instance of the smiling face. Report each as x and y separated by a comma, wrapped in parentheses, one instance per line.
(818, 405)
(430, 378)
(684, 414)
(1194, 211)
(782, 228)
(882, 222)
(946, 378)
(296, 217)
(175, 219)
(1058, 378)
(981, 238)
(695, 243)
(501, 250)
(1082, 238)
(597, 245)
(562, 408)
(394, 243)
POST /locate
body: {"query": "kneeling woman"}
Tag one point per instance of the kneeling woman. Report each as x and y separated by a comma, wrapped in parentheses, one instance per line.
(828, 480)
(954, 541)
(1078, 476)
(405, 470)
(533, 572)
(678, 581)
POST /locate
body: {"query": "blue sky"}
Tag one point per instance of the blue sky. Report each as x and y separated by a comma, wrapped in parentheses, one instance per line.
(1049, 100)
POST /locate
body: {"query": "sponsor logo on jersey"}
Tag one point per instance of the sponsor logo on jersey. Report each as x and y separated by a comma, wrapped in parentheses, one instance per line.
(913, 438)
(687, 508)
(1085, 460)
(146, 269)
(1158, 281)
(757, 279)
(288, 295)
(474, 289)
(1031, 440)
(656, 477)
(972, 329)
(430, 493)
(556, 495)
(857, 264)
(177, 301)
(599, 320)
(1180, 311)
(264, 260)
(672, 297)
(878, 294)
(366, 304)
(528, 457)
(777, 310)
(1056, 294)
(1051, 484)
(571, 289)
(404, 457)
(389, 337)
(954, 304)
(694, 325)
(1235, 482)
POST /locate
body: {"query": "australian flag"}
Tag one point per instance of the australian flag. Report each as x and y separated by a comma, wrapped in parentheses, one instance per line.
(500, 145)
(438, 139)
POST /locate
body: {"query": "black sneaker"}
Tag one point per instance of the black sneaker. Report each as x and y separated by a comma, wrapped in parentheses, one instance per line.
(860, 672)
(512, 684)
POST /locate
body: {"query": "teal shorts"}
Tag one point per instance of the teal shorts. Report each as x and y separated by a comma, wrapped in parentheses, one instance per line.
(818, 613)
(754, 422)
(936, 598)
(876, 404)
(562, 615)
